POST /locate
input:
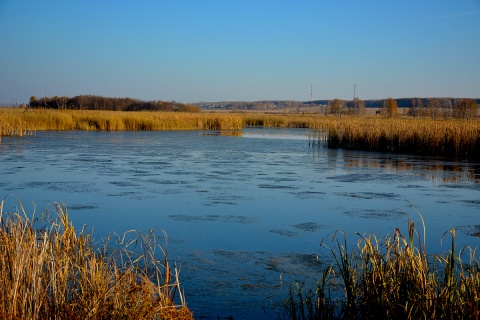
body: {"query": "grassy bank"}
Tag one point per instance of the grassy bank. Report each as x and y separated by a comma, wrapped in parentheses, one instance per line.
(393, 278)
(49, 270)
(450, 138)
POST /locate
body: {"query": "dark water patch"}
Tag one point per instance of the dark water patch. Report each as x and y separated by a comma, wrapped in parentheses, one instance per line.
(309, 226)
(214, 218)
(220, 203)
(57, 186)
(275, 186)
(125, 184)
(295, 263)
(122, 194)
(78, 207)
(473, 202)
(354, 177)
(155, 163)
(284, 232)
(475, 187)
(376, 214)
(167, 182)
(369, 195)
(411, 186)
(473, 231)
(304, 195)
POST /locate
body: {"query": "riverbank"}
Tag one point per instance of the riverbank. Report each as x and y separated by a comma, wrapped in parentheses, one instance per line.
(435, 137)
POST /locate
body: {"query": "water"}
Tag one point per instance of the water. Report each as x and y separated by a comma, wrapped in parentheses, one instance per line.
(242, 210)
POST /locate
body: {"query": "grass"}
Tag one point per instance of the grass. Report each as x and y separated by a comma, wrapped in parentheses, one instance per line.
(449, 138)
(393, 278)
(48, 119)
(55, 272)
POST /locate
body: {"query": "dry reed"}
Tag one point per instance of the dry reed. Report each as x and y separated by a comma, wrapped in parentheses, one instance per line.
(53, 272)
(449, 138)
(393, 278)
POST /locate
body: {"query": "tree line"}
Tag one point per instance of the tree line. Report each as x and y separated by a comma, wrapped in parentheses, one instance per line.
(91, 102)
(418, 107)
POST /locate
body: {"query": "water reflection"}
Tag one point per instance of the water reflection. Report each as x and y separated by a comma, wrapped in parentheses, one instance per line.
(429, 168)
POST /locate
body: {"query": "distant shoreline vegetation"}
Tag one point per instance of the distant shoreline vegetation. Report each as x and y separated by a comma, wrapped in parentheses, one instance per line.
(91, 102)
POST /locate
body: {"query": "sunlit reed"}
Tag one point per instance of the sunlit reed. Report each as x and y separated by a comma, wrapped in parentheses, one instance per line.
(49, 270)
(391, 278)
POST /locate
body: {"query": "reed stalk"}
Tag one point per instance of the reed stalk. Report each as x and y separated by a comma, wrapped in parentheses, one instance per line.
(440, 137)
(48, 270)
(393, 278)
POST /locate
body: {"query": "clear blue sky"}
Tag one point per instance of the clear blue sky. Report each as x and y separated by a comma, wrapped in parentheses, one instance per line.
(217, 50)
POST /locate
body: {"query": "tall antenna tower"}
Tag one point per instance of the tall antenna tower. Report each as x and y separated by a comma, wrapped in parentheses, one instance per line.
(354, 91)
(311, 93)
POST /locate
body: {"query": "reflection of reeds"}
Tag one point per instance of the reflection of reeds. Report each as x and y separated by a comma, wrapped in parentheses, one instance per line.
(391, 279)
(57, 273)
(450, 138)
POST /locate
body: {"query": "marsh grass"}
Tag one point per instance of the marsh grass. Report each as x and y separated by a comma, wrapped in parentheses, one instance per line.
(391, 278)
(48, 270)
(440, 137)
(48, 119)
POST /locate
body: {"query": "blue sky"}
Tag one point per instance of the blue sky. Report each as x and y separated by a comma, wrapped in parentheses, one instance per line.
(231, 50)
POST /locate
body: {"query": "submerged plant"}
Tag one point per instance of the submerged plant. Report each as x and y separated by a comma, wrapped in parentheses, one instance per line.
(393, 278)
(54, 272)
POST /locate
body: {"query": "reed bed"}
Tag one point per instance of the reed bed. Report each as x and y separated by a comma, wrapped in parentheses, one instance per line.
(48, 119)
(50, 271)
(393, 278)
(449, 138)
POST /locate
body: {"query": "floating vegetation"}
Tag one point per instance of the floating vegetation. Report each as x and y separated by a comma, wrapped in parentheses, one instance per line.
(309, 226)
(284, 232)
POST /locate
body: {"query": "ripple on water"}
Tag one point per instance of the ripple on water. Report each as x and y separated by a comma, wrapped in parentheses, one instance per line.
(370, 195)
(65, 186)
(304, 195)
(473, 202)
(213, 218)
(376, 214)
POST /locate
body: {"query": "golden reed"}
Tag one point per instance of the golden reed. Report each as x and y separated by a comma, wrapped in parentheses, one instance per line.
(449, 138)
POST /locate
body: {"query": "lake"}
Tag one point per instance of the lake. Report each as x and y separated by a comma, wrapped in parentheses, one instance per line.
(244, 211)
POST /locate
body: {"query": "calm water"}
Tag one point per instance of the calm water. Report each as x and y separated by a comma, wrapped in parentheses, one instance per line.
(239, 210)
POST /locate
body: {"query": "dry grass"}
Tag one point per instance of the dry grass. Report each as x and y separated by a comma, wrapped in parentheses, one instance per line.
(392, 278)
(48, 119)
(56, 273)
(450, 138)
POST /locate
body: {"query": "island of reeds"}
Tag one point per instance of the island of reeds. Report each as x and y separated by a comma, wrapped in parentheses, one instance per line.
(49, 270)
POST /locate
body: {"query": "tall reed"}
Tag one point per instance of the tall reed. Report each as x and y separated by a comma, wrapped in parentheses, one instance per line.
(48, 119)
(393, 278)
(50, 271)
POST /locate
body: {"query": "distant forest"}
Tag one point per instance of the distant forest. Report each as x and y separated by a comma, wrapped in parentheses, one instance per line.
(89, 102)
